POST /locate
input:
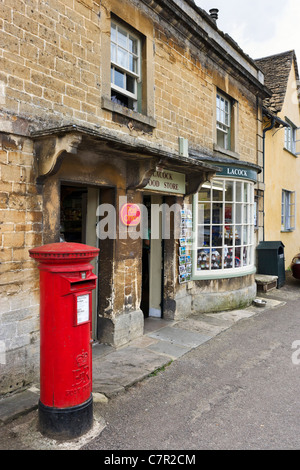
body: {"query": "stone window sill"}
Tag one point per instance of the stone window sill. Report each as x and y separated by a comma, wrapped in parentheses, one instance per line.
(228, 153)
(129, 113)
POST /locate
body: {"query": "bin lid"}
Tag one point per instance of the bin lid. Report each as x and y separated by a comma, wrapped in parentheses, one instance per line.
(272, 245)
(64, 253)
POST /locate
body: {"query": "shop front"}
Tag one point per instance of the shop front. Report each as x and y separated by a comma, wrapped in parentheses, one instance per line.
(223, 261)
(86, 181)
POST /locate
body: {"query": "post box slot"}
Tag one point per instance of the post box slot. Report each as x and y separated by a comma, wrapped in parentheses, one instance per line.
(82, 284)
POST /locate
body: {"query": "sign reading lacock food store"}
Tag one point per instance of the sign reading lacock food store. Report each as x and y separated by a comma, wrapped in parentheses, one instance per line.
(167, 181)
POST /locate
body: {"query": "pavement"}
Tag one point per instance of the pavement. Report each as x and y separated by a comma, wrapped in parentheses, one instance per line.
(114, 370)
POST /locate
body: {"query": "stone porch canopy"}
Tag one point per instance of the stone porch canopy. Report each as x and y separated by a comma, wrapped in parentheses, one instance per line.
(142, 157)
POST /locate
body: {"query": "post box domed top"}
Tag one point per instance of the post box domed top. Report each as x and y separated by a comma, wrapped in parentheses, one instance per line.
(64, 253)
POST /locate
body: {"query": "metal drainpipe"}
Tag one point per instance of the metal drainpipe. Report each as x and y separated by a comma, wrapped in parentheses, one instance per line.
(264, 136)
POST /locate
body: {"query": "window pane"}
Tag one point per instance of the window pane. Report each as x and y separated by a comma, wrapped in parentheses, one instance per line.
(122, 58)
(217, 191)
(247, 193)
(229, 190)
(119, 98)
(132, 45)
(221, 139)
(217, 213)
(246, 235)
(130, 85)
(113, 50)
(228, 258)
(246, 214)
(113, 32)
(133, 64)
(204, 193)
(229, 235)
(238, 234)
(217, 232)
(239, 192)
(237, 258)
(119, 78)
(246, 257)
(122, 37)
(238, 213)
(228, 213)
(216, 259)
(203, 260)
(204, 213)
(204, 235)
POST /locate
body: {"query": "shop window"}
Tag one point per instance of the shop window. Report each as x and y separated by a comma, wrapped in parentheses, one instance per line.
(224, 228)
(125, 67)
(288, 212)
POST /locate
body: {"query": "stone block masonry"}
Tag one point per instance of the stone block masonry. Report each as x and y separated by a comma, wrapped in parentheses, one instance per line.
(21, 223)
(55, 75)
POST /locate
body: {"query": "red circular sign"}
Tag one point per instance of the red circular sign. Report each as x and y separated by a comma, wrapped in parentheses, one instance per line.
(130, 214)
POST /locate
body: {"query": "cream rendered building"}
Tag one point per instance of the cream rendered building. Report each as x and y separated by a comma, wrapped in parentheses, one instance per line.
(281, 153)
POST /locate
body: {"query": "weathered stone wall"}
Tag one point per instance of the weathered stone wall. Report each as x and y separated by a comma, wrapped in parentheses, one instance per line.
(52, 73)
(55, 71)
(21, 226)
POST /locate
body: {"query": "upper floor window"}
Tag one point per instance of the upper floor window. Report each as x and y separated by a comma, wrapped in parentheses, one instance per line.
(290, 138)
(288, 212)
(223, 113)
(125, 66)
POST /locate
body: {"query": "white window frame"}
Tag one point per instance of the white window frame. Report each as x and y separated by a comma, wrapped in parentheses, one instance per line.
(123, 69)
(245, 246)
(288, 211)
(290, 137)
(223, 120)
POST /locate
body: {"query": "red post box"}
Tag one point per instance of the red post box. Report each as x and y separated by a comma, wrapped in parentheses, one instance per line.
(66, 284)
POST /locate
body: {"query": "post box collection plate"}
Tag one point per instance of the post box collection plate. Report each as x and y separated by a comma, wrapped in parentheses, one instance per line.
(83, 308)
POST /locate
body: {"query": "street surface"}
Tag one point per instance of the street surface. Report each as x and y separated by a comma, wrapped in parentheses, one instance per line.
(240, 390)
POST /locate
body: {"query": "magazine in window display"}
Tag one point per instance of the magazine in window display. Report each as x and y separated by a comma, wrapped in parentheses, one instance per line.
(182, 250)
(182, 260)
(185, 243)
(182, 269)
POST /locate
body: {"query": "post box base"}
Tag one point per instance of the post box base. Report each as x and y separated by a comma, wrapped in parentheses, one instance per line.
(66, 423)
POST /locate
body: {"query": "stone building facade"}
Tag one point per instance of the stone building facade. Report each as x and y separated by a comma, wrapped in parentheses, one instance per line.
(144, 101)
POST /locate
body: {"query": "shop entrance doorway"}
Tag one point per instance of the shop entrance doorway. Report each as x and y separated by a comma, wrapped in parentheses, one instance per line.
(152, 260)
(78, 225)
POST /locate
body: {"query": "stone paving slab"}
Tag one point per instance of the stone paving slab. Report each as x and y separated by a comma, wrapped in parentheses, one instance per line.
(173, 351)
(17, 404)
(122, 368)
(204, 327)
(180, 336)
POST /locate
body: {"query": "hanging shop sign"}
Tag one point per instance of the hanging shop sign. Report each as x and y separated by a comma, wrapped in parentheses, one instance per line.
(238, 172)
(130, 214)
(167, 181)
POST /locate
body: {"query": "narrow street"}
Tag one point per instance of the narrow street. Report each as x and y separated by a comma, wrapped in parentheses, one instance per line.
(238, 391)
